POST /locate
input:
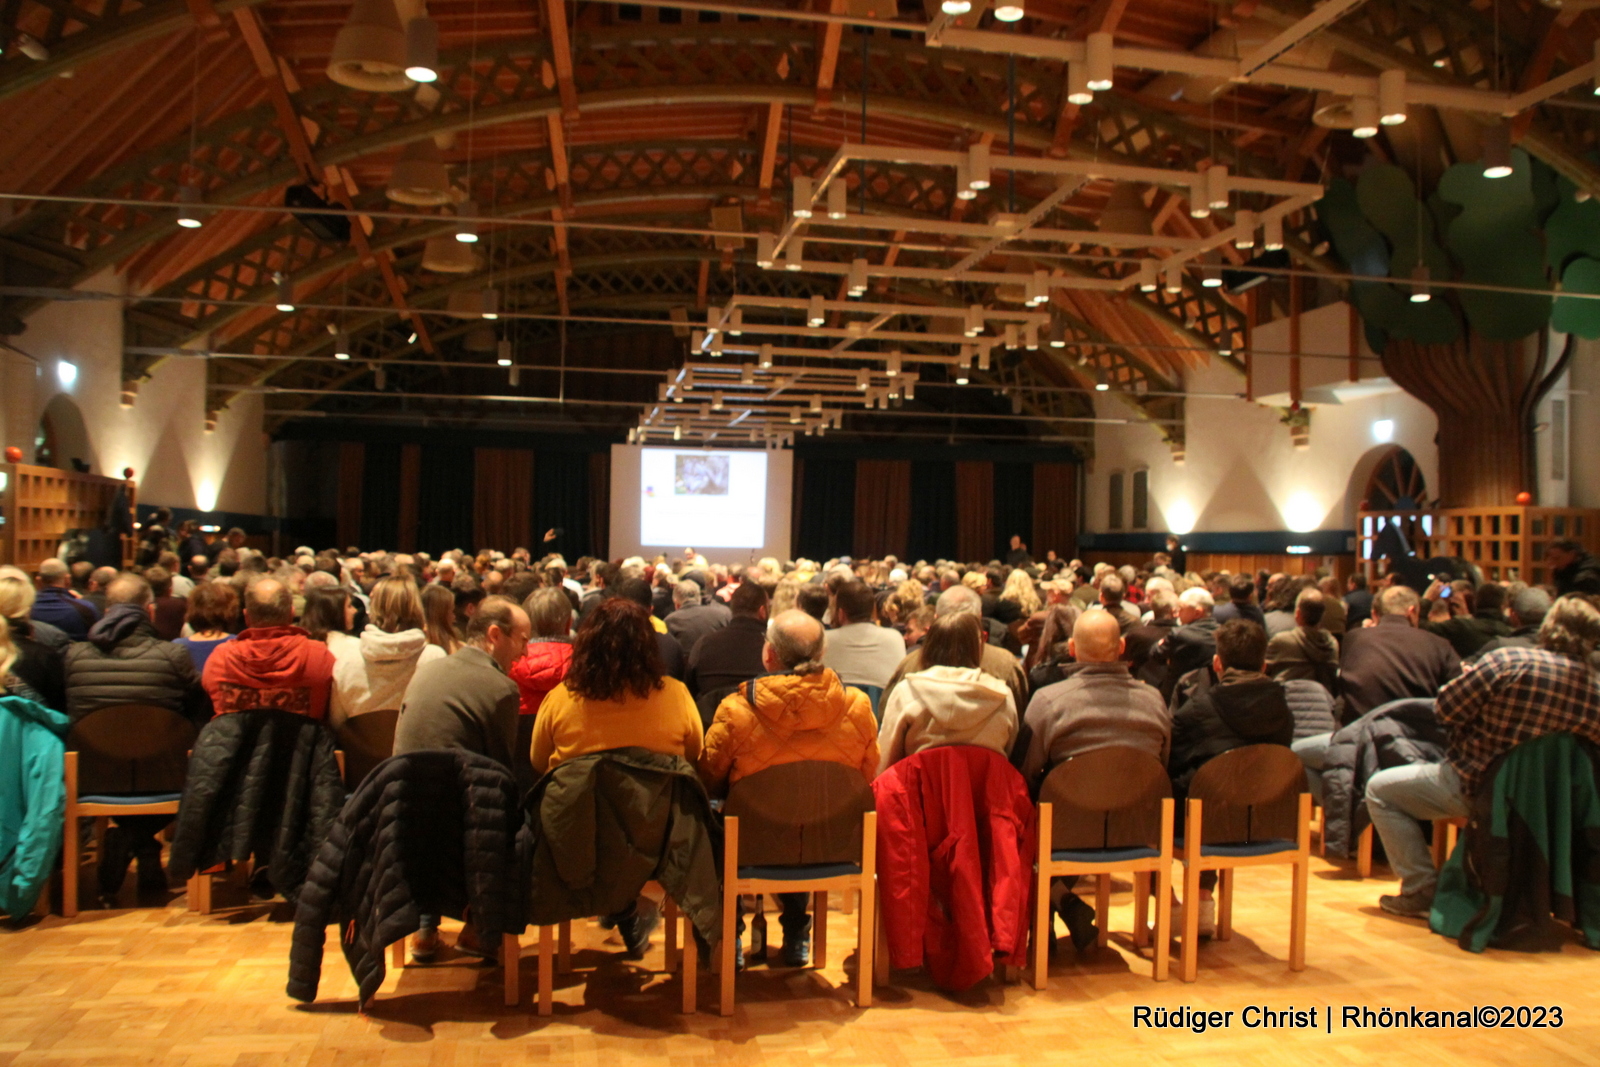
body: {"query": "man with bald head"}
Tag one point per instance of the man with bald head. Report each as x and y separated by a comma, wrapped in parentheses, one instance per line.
(1100, 705)
(799, 711)
(273, 663)
(57, 605)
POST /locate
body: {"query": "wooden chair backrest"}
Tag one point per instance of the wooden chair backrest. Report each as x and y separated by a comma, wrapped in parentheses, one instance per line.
(1250, 794)
(800, 813)
(367, 741)
(132, 748)
(1108, 798)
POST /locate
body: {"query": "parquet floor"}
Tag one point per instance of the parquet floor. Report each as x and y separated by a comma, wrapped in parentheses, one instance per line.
(162, 986)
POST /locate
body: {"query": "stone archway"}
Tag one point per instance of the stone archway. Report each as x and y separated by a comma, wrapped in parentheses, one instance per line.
(62, 436)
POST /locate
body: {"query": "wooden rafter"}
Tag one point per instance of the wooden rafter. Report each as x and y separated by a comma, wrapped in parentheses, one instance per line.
(829, 35)
(555, 16)
(769, 151)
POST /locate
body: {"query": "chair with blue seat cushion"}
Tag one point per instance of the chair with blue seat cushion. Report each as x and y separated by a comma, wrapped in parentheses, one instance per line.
(874, 693)
(1109, 810)
(124, 760)
(802, 827)
(1246, 808)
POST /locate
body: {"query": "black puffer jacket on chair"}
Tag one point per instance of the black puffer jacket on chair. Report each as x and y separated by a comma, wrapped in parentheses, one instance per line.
(261, 783)
(427, 833)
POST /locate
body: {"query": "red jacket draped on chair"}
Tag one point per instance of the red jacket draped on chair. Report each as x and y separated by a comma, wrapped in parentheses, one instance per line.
(955, 863)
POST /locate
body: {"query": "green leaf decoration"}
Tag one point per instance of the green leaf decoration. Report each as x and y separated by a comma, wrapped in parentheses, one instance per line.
(1581, 317)
(1572, 230)
(1546, 190)
(1389, 201)
(1497, 241)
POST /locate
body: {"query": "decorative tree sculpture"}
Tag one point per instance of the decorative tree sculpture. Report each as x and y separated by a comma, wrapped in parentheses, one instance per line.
(1476, 354)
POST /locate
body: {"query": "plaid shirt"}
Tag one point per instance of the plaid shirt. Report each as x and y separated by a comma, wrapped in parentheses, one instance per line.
(1514, 695)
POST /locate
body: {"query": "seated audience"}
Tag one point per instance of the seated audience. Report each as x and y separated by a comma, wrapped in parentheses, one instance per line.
(859, 650)
(1572, 569)
(949, 700)
(1051, 654)
(1479, 620)
(329, 615)
(1393, 659)
(1357, 602)
(995, 661)
(371, 673)
(1306, 651)
(36, 663)
(549, 653)
(1525, 612)
(439, 617)
(1334, 610)
(1190, 647)
(1113, 589)
(671, 652)
(1240, 605)
(55, 602)
(1143, 638)
(813, 599)
(693, 617)
(797, 711)
(733, 654)
(273, 663)
(212, 615)
(1509, 696)
(1279, 604)
(167, 612)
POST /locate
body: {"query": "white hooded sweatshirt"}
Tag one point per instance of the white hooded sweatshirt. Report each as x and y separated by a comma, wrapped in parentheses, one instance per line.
(946, 706)
(372, 674)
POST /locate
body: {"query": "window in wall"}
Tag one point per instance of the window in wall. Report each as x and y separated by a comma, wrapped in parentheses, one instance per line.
(1114, 520)
(1141, 500)
(1558, 440)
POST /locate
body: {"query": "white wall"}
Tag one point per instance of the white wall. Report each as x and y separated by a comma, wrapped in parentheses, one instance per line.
(1583, 420)
(1241, 472)
(162, 437)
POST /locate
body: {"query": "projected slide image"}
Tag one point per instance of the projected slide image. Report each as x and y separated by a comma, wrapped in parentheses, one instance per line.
(702, 499)
(701, 476)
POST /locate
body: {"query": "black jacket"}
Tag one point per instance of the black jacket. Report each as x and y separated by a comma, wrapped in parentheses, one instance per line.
(1392, 661)
(428, 833)
(262, 783)
(1183, 650)
(1582, 575)
(1469, 633)
(1244, 708)
(600, 826)
(1392, 735)
(727, 657)
(124, 662)
(39, 664)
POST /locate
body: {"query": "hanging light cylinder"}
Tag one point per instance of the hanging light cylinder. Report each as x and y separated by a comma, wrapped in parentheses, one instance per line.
(420, 176)
(369, 52)
(422, 50)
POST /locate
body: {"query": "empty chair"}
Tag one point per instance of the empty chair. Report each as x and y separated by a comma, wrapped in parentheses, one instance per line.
(1109, 810)
(366, 741)
(430, 833)
(1247, 807)
(805, 827)
(124, 760)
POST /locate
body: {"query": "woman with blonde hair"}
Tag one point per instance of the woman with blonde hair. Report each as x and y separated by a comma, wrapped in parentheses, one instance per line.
(34, 662)
(371, 674)
(1019, 590)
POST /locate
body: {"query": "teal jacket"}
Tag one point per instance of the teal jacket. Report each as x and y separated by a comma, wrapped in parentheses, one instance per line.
(33, 799)
(1529, 850)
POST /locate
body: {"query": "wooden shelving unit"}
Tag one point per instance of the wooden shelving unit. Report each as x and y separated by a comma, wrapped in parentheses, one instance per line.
(1508, 544)
(40, 504)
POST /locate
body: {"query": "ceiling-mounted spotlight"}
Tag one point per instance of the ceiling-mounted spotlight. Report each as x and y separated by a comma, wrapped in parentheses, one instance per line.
(964, 189)
(422, 49)
(983, 357)
(1497, 150)
(1217, 187)
(1030, 337)
(1225, 343)
(803, 191)
(747, 374)
(1211, 270)
(1010, 337)
(816, 315)
(766, 246)
(1009, 11)
(188, 201)
(1364, 113)
(794, 253)
(979, 166)
(1174, 279)
(677, 433)
(716, 346)
(956, 7)
(1597, 67)
(1101, 387)
(716, 400)
(341, 345)
(893, 368)
(1078, 91)
(862, 379)
(794, 416)
(1392, 97)
(766, 356)
(411, 338)
(1245, 221)
(1199, 204)
(369, 52)
(1419, 284)
(466, 229)
(736, 322)
(1272, 233)
(858, 277)
(816, 403)
(503, 353)
(1097, 51)
(285, 292)
(1149, 275)
(490, 303)
(838, 198)
(1058, 334)
(974, 320)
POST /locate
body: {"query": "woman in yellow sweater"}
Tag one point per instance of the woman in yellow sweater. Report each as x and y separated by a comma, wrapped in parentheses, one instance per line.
(616, 694)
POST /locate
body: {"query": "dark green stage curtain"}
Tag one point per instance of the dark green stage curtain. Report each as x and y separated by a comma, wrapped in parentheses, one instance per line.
(445, 501)
(1013, 506)
(933, 511)
(380, 497)
(561, 487)
(825, 526)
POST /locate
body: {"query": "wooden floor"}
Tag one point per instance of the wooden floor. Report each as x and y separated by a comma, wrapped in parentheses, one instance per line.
(163, 986)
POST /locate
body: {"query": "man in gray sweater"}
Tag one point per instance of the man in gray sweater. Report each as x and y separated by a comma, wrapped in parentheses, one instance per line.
(468, 700)
(1100, 705)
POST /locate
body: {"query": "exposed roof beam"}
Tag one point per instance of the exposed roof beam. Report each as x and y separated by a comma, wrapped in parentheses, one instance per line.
(555, 17)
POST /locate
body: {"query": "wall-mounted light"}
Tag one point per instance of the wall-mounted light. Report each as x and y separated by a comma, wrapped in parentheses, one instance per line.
(1383, 431)
(66, 373)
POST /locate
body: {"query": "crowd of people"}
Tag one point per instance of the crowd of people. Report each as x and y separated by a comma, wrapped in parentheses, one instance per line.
(531, 662)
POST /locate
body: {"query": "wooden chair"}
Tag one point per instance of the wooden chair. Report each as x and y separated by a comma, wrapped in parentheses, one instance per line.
(1246, 808)
(366, 741)
(802, 827)
(555, 954)
(124, 760)
(1444, 843)
(1106, 811)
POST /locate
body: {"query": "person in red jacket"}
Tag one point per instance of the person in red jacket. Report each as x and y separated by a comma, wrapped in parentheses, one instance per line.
(544, 665)
(273, 663)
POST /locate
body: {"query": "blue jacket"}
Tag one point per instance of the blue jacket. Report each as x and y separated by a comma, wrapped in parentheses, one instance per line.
(33, 799)
(67, 613)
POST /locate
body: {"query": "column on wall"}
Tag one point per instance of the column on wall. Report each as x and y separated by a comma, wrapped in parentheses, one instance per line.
(974, 510)
(882, 507)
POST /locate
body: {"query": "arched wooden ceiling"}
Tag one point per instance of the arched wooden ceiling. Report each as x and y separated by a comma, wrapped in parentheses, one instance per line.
(561, 116)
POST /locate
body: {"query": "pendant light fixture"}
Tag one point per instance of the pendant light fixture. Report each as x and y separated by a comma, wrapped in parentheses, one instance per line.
(466, 227)
(188, 202)
(422, 49)
(341, 345)
(1365, 117)
(420, 176)
(370, 51)
(1009, 11)
(1392, 97)
(1497, 151)
(285, 289)
(1097, 51)
(955, 7)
